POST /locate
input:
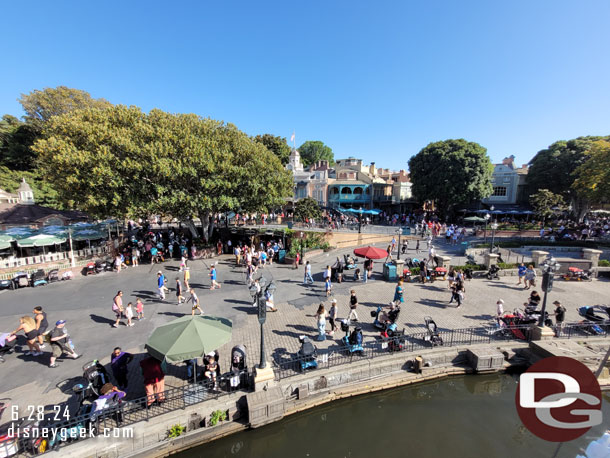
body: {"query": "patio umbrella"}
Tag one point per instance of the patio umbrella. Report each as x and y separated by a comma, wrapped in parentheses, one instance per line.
(475, 219)
(371, 252)
(5, 241)
(188, 337)
(40, 240)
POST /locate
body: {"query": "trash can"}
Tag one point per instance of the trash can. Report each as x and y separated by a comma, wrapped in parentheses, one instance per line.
(464, 246)
(389, 272)
(289, 224)
(281, 256)
(406, 231)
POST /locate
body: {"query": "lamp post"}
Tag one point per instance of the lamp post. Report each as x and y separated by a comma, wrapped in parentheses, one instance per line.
(549, 267)
(72, 262)
(494, 226)
(360, 220)
(262, 317)
(301, 237)
(399, 234)
(487, 216)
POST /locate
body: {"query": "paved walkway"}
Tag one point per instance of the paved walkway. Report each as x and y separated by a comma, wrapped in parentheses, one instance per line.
(85, 303)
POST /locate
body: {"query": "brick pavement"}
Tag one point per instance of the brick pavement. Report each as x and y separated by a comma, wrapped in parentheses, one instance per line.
(296, 305)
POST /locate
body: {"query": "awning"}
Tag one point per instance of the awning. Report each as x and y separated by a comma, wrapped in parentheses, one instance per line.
(5, 241)
(40, 240)
(89, 234)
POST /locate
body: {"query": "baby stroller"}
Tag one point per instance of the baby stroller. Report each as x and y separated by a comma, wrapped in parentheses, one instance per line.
(574, 273)
(492, 273)
(7, 346)
(39, 278)
(53, 276)
(468, 274)
(239, 369)
(440, 272)
(21, 280)
(409, 263)
(95, 267)
(592, 321)
(352, 342)
(512, 322)
(433, 336)
(96, 376)
(307, 354)
(395, 339)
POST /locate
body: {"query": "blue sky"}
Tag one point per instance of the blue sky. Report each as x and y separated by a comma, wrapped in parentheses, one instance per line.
(376, 80)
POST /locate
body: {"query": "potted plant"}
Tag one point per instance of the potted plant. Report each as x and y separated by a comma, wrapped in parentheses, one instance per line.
(217, 415)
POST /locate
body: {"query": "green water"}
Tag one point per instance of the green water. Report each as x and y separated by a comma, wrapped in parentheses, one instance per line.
(470, 416)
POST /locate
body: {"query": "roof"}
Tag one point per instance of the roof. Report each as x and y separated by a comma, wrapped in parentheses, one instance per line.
(24, 186)
(26, 214)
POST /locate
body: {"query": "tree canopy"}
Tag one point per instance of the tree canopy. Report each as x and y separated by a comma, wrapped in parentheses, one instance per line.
(307, 208)
(40, 106)
(313, 151)
(593, 176)
(16, 139)
(451, 172)
(547, 203)
(277, 145)
(120, 161)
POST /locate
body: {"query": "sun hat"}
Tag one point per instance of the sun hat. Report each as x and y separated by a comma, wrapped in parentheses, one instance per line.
(58, 322)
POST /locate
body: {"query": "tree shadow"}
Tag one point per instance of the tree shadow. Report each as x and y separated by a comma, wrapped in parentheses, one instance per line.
(145, 294)
(249, 310)
(172, 268)
(433, 303)
(504, 285)
(302, 328)
(479, 317)
(176, 314)
(235, 301)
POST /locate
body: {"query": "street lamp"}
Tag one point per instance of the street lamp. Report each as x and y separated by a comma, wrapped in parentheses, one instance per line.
(262, 315)
(72, 262)
(301, 237)
(487, 217)
(399, 234)
(360, 220)
(549, 267)
(494, 226)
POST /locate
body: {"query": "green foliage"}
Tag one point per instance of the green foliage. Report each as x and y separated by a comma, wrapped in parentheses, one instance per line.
(604, 263)
(40, 106)
(217, 415)
(176, 431)
(307, 208)
(473, 267)
(593, 176)
(546, 203)
(43, 191)
(16, 139)
(451, 172)
(122, 162)
(508, 265)
(277, 145)
(313, 151)
(311, 241)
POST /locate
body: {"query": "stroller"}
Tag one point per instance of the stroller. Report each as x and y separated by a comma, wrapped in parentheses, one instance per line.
(493, 272)
(307, 354)
(512, 323)
(352, 342)
(8, 345)
(39, 278)
(406, 274)
(53, 276)
(98, 267)
(592, 322)
(349, 262)
(433, 335)
(574, 273)
(95, 376)
(238, 376)
(395, 339)
(468, 274)
(440, 272)
(21, 280)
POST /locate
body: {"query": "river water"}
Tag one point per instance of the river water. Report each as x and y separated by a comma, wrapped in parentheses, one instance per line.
(464, 417)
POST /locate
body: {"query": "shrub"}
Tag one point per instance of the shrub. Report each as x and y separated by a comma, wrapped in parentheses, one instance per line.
(175, 431)
(217, 415)
(471, 266)
(604, 263)
(508, 265)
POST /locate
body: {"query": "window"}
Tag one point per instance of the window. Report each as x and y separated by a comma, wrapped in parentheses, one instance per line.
(346, 190)
(507, 179)
(499, 191)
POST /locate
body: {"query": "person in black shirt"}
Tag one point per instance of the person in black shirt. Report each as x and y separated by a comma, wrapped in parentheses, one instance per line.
(41, 324)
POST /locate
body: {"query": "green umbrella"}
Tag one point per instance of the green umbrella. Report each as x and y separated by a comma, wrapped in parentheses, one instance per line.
(5, 241)
(475, 219)
(40, 240)
(188, 337)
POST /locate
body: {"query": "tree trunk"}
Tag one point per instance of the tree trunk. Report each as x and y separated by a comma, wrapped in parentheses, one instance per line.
(191, 226)
(205, 224)
(580, 207)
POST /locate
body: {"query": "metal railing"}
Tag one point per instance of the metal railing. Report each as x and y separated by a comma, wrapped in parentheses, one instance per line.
(409, 343)
(90, 423)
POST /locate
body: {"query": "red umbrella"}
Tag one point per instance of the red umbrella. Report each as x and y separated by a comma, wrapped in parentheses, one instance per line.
(371, 252)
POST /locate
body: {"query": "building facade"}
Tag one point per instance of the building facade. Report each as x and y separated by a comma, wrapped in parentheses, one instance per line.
(508, 183)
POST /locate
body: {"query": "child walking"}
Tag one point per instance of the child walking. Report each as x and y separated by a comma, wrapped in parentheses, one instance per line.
(139, 308)
(129, 314)
(179, 291)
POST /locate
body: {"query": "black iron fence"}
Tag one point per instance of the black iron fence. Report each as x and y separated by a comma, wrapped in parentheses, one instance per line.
(409, 343)
(41, 433)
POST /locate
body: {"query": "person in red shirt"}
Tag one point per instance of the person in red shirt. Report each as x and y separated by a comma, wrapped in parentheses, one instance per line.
(154, 380)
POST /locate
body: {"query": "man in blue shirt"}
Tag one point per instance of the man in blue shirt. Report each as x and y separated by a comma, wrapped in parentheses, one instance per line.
(521, 272)
(215, 284)
(161, 285)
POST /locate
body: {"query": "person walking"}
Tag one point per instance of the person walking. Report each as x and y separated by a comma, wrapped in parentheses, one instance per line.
(195, 302)
(328, 286)
(321, 316)
(405, 246)
(332, 317)
(237, 253)
(154, 380)
(389, 251)
(40, 317)
(499, 308)
(521, 272)
(27, 324)
(297, 259)
(215, 284)
(431, 255)
(398, 293)
(117, 308)
(417, 247)
(139, 309)
(118, 363)
(61, 343)
(353, 304)
(129, 314)
(179, 291)
(161, 285)
(308, 278)
(530, 277)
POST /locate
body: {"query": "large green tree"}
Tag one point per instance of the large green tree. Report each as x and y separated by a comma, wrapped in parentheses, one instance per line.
(313, 151)
(16, 139)
(547, 203)
(450, 173)
(120, 161)
(554, 169)
(307, 208)
(593, 176)
(277, 145)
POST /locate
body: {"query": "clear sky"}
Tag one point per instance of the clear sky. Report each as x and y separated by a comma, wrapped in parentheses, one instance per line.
(377, 80)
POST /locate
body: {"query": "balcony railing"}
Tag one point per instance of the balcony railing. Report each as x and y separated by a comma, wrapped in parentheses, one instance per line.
(350, 197)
